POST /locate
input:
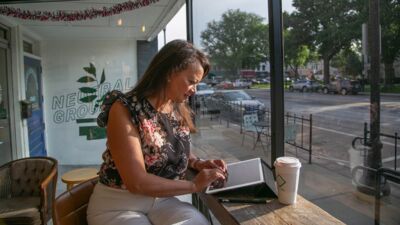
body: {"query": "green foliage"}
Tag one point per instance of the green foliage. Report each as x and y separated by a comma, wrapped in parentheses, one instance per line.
(259, 86)
(385, 89)
(91, 91)
(295, 53)
(390, 31)
(349, 62)
(327, 26)
(390, 25)
(332, 28)
(238, 41)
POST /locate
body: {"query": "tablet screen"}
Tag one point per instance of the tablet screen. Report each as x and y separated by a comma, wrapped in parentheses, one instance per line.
(241, 174)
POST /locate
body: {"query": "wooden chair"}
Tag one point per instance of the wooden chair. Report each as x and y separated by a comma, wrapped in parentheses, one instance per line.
(27, 190)
(70, 207)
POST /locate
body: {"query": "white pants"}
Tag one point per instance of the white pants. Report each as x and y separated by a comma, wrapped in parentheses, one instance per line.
(111, 206)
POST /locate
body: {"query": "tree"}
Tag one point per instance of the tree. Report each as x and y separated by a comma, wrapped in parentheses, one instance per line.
(327, 25)
(349, 62)
(238, 41)
(390, 25)
(295, 54)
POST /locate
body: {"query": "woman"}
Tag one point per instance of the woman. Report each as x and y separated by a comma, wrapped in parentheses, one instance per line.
(148, 146)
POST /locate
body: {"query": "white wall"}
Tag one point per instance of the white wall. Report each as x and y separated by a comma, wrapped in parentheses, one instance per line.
(63, 63)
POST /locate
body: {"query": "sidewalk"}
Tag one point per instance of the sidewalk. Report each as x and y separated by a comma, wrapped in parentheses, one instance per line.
(326, 183)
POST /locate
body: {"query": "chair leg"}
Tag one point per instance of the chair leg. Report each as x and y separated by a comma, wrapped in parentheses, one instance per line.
(255, 139)
(244, 133)
(262, 145)
(258, 139)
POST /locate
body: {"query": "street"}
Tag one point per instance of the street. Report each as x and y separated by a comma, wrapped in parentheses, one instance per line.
(338, 119)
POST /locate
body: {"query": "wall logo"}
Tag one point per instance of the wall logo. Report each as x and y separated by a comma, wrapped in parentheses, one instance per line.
(91, 91)
(84, 105)
(91, 132)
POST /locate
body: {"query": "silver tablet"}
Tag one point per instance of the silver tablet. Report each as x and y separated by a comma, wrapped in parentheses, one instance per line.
(241, 174)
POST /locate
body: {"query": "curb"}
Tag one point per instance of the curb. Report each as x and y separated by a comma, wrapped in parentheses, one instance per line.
(381, 94)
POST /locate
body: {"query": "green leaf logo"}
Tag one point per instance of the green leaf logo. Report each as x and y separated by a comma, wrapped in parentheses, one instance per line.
(103, 77)
(88, 99)
(87, 90)
(90, 92)
(91, 69)
(86, 79)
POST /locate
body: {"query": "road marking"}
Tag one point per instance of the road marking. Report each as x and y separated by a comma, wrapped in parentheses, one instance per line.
(333, 131)
(314, 110)
(346, 162)
(344, 133)
(338, 161)
(389, 159)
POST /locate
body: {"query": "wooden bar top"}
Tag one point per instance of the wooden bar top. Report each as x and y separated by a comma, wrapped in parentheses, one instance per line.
(303, 212)
(273, 212)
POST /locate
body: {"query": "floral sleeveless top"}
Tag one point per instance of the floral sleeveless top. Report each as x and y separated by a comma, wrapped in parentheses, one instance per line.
(165, 142)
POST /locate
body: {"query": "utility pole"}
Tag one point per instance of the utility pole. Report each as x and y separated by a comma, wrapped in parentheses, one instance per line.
(374, 153)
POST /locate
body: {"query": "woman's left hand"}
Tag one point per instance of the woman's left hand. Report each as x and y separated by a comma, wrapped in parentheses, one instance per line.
(215, 164)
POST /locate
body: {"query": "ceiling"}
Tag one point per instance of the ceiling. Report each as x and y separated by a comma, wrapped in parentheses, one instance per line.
(153, 17)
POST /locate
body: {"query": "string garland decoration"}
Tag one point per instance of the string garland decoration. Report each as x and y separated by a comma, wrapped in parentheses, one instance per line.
(78, 15)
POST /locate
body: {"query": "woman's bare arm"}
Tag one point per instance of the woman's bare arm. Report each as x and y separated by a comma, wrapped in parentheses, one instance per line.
(124, 144)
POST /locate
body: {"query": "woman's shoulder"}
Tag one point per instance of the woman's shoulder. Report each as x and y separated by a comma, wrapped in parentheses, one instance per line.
(109, 99)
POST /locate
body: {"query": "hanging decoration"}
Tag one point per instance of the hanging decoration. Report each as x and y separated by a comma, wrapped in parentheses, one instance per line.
(77, 15)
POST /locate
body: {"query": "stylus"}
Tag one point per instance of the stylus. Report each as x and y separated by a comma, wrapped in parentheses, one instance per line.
(224, 200)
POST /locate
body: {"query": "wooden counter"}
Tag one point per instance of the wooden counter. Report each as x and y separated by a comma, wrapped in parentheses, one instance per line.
(273, 212)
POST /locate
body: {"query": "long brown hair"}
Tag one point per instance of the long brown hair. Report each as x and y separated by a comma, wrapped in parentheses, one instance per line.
(174, 57)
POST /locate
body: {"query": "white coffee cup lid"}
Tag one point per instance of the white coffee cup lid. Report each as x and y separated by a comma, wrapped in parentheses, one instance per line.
(287, 161)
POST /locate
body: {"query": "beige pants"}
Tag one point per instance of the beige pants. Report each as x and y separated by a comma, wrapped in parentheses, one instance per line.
(109, 206)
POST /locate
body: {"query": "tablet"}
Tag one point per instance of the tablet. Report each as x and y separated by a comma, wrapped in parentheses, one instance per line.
(241, 174)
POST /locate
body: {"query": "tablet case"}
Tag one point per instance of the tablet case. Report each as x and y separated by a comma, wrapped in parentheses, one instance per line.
(256, 193)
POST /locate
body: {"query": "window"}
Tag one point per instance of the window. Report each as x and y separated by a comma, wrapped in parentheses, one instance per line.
(28, 47)
(4, 33)
(326, 123)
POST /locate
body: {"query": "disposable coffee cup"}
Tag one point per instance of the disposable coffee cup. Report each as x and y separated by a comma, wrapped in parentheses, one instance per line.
(287, 170)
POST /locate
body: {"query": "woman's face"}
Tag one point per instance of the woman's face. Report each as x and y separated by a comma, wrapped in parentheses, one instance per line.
(183, 84)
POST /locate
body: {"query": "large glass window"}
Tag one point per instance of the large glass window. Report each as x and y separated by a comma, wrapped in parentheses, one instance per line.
(327, 88)
(327, 97)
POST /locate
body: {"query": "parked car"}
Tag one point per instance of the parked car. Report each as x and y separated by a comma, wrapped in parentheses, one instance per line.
(255, 81)
(305, 85)
(210, 82)
(225, 85)
(343, 87)
(242, 84)
(260, 81)
(202, 92)
(234, 104)
(265, 81)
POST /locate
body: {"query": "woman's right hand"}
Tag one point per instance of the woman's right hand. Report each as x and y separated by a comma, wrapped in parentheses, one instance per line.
(206, 176)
